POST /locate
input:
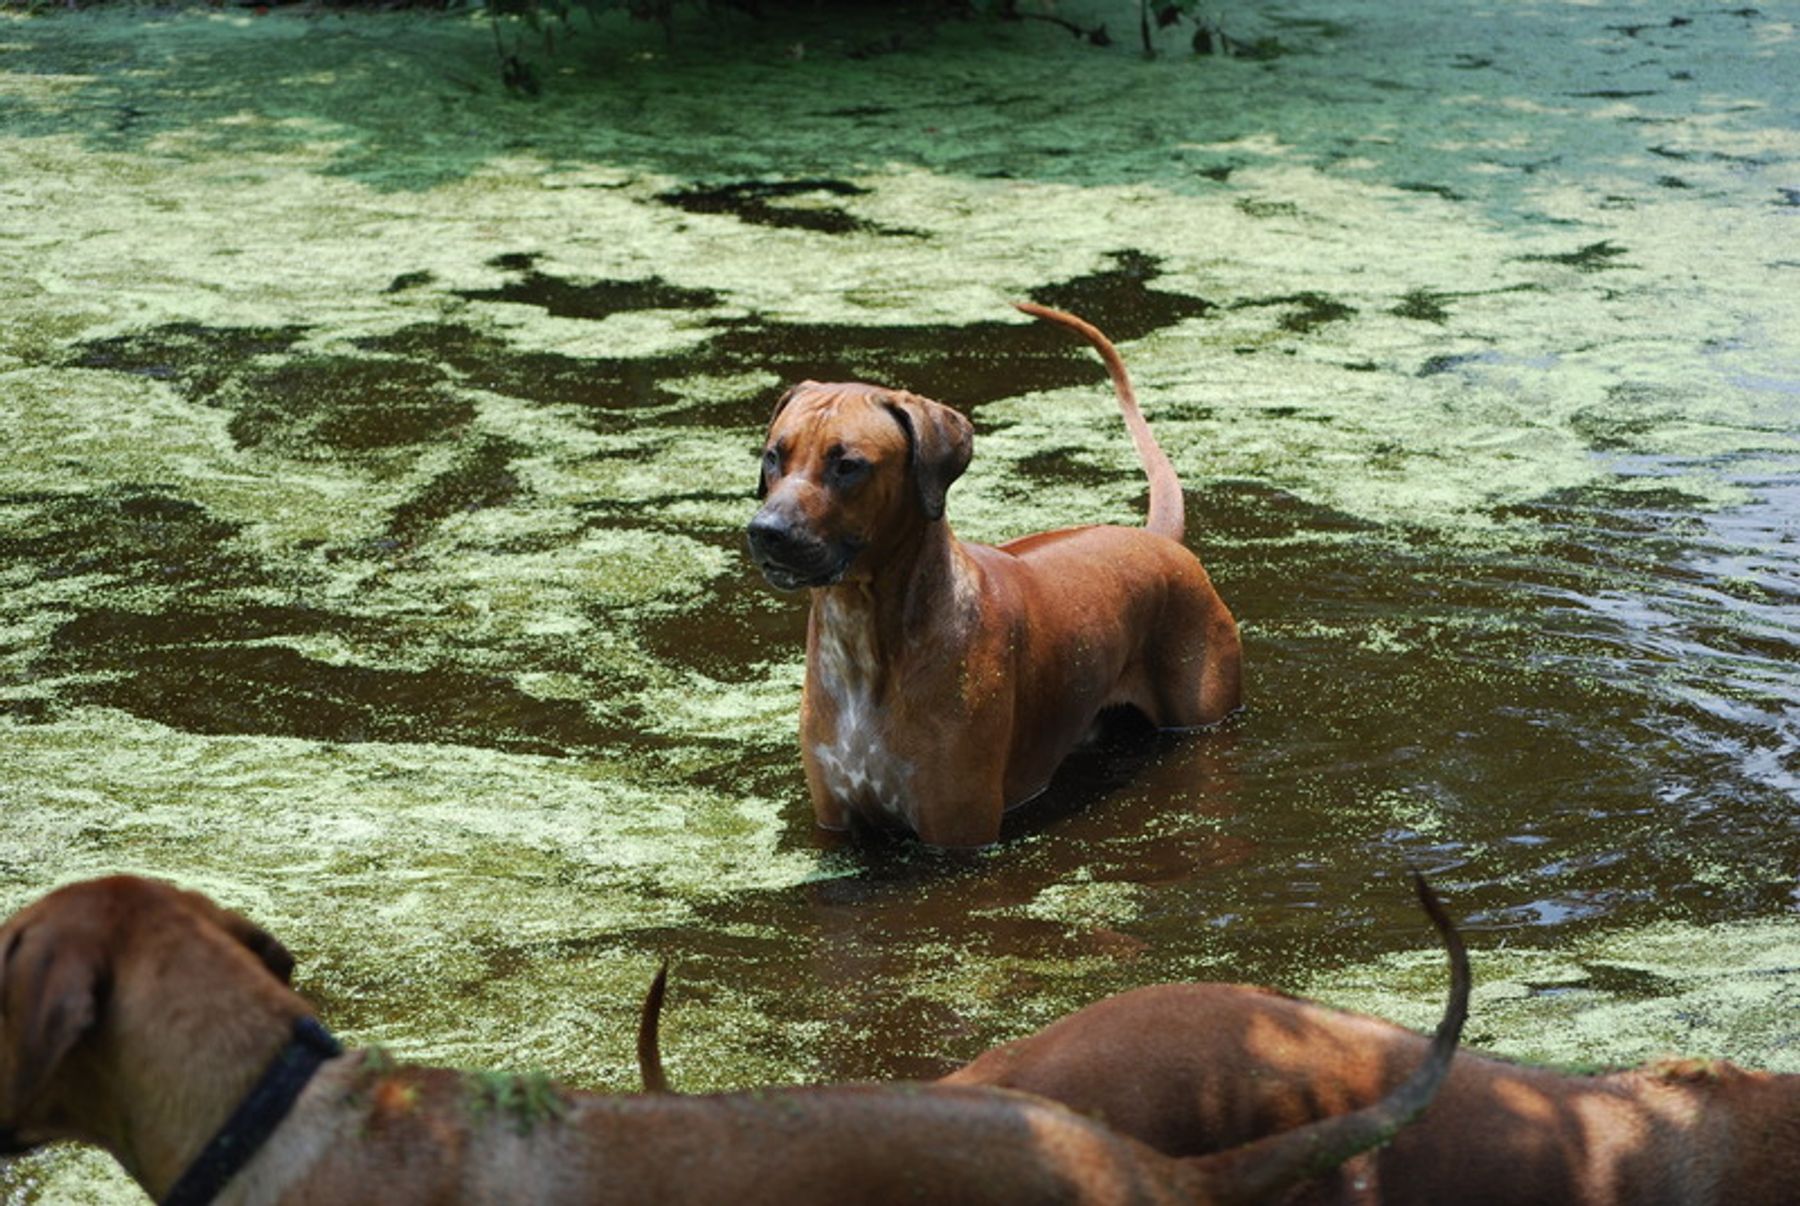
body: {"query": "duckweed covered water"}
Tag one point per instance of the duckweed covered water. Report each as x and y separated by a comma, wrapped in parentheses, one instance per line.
(376, 449)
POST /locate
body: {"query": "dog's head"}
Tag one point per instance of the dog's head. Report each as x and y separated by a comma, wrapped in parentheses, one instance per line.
(95, 958)
(846, 468)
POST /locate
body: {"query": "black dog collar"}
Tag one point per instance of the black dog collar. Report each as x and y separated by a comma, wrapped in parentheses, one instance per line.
(257, 1116)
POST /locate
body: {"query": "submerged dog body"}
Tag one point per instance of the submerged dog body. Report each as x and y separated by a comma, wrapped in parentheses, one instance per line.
(142, 1018)
(1192, 1068)
(945, 681)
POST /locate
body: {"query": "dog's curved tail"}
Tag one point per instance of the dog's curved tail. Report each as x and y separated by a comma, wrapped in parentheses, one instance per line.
(1167, 512)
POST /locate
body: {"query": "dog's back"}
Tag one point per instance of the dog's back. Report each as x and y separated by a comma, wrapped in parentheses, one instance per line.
(1197, 1068)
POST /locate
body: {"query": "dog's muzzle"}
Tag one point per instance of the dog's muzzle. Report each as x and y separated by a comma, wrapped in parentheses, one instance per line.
(791, 558)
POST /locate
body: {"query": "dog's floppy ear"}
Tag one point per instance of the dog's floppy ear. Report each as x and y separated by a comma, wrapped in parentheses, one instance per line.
(762, 476)
(53, 991)
(939, 442)
(262, 944)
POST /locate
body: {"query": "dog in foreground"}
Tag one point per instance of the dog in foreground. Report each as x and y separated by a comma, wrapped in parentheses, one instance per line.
(945, 681)
(1197, 1068)
(155, 1024)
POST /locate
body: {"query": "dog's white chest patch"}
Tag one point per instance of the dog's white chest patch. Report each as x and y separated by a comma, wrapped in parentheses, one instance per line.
(856, 763)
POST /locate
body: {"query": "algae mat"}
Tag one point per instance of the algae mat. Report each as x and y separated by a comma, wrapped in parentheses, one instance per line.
(376, 447)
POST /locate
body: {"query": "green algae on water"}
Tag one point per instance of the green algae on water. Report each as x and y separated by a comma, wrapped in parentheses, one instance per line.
(1716, 992)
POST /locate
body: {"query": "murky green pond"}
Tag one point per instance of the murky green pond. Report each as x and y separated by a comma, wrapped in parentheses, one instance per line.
(375, 446)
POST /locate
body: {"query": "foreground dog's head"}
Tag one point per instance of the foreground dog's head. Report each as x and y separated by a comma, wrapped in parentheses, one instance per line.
(91, 960)
(846, 468)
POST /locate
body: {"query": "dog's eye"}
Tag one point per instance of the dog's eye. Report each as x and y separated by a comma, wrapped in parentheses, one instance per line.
(849, 469)
(771, 462)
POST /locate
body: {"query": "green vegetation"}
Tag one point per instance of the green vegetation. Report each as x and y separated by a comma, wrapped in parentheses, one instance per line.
(522, 1102)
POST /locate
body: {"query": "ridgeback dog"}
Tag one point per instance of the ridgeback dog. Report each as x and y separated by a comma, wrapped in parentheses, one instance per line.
(1196, 1068)
(151, 1022)
(946, 681)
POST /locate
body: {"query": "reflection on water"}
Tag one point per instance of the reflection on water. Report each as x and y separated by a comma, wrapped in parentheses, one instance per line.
(403, 605)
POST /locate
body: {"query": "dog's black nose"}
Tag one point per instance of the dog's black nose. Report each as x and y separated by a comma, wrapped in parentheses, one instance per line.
(771, 534)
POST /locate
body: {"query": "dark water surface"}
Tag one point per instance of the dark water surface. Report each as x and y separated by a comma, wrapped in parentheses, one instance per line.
(373, 486)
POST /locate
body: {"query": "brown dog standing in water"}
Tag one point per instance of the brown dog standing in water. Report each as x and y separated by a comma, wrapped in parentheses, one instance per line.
(946, 681)
(157, 1025)
(1196, 1068)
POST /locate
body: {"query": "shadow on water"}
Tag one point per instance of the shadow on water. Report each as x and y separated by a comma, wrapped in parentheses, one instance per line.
(230, 672)
(207, 662)
(964, 364)
(593, 300)
(134, 537)
(304, 406)
(738, 634)
(482, 476)
(270, 690)
(399, 393)
(771, 203)
(1303, 313)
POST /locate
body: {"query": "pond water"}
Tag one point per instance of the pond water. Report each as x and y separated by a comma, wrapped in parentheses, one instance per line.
(377, 447)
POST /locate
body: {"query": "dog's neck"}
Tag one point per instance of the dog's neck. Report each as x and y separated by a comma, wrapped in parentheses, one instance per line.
(915, 588)
(170, 1102)
(866, 636)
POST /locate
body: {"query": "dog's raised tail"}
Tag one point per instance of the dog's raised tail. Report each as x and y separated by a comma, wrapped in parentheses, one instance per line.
(1258, 1172)
(1167, 512)
(649, 1040)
